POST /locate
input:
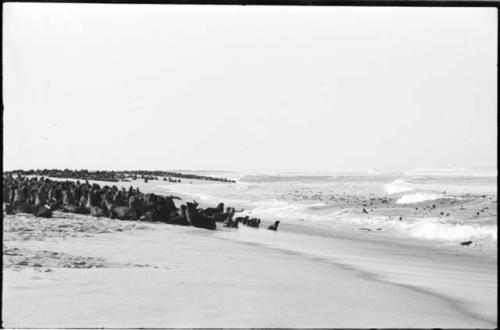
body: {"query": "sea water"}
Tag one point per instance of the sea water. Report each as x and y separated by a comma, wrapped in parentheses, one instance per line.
(465, 203)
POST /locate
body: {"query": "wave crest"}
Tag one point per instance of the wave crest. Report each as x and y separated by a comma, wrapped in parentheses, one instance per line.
(398, 186)
(417, 198)
(434, 229)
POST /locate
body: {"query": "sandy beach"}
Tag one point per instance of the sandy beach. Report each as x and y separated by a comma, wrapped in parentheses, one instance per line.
(295, 165)
(79, 271)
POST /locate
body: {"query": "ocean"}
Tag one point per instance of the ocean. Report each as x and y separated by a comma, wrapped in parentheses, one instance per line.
(441, 208)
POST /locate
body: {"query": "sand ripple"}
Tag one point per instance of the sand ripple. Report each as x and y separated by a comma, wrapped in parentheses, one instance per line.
(62, 225)
(27, 227)
(19, 257)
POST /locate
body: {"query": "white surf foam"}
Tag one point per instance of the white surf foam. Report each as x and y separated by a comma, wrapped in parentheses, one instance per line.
(398, 186)
(417, 198)
(426, 228)
(435, 229)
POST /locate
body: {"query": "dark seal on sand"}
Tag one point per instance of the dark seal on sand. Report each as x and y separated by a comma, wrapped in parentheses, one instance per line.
(275, 226)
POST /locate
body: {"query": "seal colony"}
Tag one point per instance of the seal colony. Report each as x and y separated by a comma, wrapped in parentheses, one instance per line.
(115, 176)
(77, 270)
(41, 196)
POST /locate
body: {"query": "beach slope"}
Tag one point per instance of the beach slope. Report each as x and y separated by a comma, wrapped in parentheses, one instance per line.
(79, 271)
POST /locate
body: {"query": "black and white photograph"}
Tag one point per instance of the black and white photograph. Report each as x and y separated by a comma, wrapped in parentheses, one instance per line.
(249, 166)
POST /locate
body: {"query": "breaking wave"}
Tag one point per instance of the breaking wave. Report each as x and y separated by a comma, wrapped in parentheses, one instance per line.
(427, 228)
(417, 198)
(398, 186)
(431, 228)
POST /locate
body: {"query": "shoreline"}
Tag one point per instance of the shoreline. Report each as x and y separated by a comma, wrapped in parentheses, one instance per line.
(377, 277)
(487, 254)
(242, 269)
(459, 284)
(418, 268)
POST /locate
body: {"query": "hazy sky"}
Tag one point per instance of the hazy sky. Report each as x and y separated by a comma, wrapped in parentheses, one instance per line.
(248, 88)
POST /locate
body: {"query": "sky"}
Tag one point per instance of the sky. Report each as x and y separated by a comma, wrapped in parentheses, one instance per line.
(250, 88)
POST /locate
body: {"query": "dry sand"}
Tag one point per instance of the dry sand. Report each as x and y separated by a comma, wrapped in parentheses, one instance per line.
(79, 271)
